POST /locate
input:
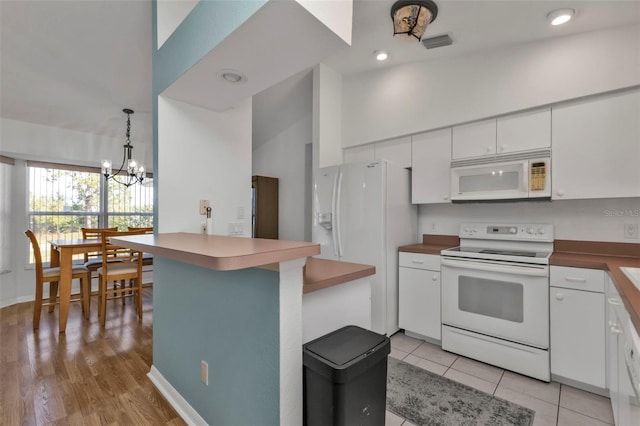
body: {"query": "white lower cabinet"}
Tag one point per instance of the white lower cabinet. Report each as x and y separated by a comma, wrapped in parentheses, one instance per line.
(577, 322)
(419, 294)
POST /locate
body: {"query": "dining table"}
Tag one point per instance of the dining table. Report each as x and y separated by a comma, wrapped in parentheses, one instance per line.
(62, 252)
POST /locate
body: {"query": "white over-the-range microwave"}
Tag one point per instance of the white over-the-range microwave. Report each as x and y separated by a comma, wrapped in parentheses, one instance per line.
(501, 178)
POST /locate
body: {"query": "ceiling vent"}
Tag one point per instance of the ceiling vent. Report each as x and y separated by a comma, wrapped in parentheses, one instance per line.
(437, 41)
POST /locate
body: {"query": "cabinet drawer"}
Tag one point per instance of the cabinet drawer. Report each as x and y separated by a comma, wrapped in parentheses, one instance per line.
(420, 261)
(577, 278)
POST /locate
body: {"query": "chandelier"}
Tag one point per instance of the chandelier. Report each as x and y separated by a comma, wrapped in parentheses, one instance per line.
(134, 172)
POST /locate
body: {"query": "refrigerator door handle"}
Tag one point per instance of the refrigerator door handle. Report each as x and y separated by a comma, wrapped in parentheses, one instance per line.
(334, 216)
(337, 216)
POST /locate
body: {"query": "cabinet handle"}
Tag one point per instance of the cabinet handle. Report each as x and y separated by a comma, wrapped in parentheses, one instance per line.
(614, 301)
(560, 192)
(613, 324)
(434, 278)
(503, 147)
(575, 279)
(615, 330)
(446, 197)
(417, 261)
(560, 296)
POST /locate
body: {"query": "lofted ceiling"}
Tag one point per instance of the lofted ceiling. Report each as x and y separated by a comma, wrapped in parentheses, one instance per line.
(76, 64)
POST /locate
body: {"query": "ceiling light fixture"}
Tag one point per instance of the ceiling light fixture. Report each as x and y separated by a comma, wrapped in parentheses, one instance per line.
(135, 172)
(411, 17)
(381, 55)
(560, 16)
(232, 76)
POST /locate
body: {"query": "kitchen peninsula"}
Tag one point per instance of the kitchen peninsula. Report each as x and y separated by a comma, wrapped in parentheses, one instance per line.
(221, 301)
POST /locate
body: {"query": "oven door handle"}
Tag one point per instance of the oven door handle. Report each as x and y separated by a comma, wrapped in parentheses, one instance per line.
(516, 270)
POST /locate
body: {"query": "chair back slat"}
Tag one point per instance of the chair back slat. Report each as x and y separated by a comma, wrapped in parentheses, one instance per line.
(94, 233)
(113, 254)
(146, 229)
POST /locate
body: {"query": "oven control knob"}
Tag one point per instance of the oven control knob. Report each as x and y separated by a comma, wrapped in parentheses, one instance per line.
(467, 230)
(512, 230)
(541, 231)
(530, 231)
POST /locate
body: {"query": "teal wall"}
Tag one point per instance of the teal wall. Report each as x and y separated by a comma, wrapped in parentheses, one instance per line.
(229, 319)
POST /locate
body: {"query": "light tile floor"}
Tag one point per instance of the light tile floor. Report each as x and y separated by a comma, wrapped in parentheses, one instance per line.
(555, 404)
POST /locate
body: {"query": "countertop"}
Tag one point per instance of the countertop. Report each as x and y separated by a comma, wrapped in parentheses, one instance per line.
(219, 252)
(324, 273)
(605, 256)
(432, 244)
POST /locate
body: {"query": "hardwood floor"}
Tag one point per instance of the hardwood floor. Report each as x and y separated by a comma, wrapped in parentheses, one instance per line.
(86, 376)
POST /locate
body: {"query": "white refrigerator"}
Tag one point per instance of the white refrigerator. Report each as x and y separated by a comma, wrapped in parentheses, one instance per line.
(362, 214)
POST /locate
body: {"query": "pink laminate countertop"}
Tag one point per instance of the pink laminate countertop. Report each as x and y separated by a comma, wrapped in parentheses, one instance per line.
(432, 244)
(324, 273)
(219, 252)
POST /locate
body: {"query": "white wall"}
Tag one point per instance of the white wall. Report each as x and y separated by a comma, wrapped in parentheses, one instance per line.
(584, 220)
(203, 154)
(281, 130)
(327, 117)
(43, 143)
(421, 96)
(284, 157)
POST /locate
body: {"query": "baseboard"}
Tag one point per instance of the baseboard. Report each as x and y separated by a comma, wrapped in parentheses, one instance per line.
(422, 337)
(15, 301)
(173, 397)
(579, 385)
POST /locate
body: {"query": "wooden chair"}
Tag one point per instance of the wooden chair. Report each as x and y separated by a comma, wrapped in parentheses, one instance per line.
(52, 276)
(119, 264)
(93, 260)
(147, 258)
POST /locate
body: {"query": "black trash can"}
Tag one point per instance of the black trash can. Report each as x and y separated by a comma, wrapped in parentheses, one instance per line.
(345, 378)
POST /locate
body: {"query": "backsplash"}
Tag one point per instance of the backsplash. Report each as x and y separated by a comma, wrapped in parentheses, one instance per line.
(587, 220)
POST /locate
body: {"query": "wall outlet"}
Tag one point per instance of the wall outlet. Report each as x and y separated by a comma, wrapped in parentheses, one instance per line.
(235, 228)
(631, 230)
(204, 372)
(203, 228)
(203, 206)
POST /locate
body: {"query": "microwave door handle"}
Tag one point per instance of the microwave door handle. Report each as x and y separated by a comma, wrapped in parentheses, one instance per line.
(525, 177)
(478, 266)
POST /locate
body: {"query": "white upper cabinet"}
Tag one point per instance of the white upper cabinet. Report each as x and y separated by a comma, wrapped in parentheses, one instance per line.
(396, 150)
(474, 140)
(524, 132)
(431, 157)
(358, 154)
(596, 148)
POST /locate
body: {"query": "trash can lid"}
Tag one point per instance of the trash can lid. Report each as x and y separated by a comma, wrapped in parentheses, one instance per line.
(345, 344)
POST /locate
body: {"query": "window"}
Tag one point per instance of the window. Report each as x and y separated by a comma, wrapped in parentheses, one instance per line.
(63, 199)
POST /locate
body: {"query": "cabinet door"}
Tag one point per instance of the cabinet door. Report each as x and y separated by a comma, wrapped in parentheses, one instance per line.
(419, 301)
(596, 148)
(358, 154)
(577, 335)
(524, 132)
(397, 151)
(431, 158)
(474, 140)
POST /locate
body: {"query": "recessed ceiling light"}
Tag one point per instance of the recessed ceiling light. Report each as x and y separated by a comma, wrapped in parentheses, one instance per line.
(560, 16)
(232, 76)
(381, 55)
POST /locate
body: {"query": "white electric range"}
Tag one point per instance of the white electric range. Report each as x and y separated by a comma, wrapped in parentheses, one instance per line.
(495, 296)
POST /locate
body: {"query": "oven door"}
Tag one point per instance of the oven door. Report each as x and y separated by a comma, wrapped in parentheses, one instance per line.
(508, 301)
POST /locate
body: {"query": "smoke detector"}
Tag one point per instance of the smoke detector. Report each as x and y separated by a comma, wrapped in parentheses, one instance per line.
(437, 41)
